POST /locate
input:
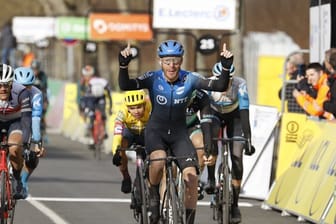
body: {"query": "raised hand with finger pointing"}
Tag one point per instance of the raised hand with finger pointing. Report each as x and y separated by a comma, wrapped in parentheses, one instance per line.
(226, 58)
(125, 56)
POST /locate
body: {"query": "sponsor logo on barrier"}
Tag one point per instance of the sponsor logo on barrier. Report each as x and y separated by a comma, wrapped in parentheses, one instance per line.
(292, 131)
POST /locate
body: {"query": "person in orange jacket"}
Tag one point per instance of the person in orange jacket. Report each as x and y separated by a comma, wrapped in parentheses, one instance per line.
(319, 81)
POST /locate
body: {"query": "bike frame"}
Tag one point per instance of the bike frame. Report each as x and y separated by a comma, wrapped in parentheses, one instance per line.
(143, 186)
(7, 203)
(141, 174)
(223, 197)
(172, 207)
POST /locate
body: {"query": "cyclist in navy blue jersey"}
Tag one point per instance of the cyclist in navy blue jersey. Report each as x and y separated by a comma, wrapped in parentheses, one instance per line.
(231, 110)
(170, 89)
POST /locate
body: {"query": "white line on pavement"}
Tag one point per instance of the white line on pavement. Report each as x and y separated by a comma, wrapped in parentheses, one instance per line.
(113, 200)
(53, 216)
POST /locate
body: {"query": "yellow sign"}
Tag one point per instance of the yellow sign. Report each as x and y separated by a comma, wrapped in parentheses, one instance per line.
(295, 135)
(307, 187)
(270, 81)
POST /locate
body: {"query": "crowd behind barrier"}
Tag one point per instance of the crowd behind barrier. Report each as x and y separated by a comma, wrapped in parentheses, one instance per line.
(304, 161)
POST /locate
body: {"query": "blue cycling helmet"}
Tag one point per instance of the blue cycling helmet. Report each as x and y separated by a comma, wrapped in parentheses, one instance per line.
(217, 69)
(24, 76)
(170, 48)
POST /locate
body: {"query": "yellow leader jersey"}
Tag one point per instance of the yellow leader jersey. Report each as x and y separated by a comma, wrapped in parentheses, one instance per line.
(124, 119)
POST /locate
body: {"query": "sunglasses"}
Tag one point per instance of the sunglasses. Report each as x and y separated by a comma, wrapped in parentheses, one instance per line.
(5, 85)
(174, 61)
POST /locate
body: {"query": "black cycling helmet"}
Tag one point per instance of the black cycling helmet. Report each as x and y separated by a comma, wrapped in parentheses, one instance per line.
(170, 48)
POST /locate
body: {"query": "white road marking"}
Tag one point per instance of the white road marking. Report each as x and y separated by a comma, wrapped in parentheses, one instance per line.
(112, 200)
(53, 216)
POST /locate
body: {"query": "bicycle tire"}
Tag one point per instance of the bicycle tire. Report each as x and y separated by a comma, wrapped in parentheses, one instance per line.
(180, 192)
(3, 200)
(12, 201)
(170, 202)
(97, 150)
(143, 196)
(11, 214)
(98, 134)
(224, 197)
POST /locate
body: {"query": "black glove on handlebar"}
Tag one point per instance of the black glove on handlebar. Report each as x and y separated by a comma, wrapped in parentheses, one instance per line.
(226, 62)
(124, 61)
(30, 158)
(116, 160)
(249, 148)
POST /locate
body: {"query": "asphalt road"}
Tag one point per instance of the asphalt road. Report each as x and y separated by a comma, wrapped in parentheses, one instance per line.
(71, 187)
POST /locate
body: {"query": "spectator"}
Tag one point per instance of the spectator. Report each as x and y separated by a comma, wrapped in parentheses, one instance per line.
(28, 56)
(8, 44)
(319, 81)
(330, 105)
(326, 63)
(294, 67)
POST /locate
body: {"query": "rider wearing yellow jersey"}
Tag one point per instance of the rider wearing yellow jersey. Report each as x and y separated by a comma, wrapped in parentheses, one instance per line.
(128, 129)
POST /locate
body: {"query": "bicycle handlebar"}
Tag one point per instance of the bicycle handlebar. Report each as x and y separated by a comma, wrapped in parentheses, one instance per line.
(133, 147)
(232, 139)
(6, 145)
(171, 158)
(249, 149)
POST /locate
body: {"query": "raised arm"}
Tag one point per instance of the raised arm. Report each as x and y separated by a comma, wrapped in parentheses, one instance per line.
(220, 84)
(125, 83)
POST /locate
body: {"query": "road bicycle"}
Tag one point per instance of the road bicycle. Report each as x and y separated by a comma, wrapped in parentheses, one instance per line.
(172, 207)
(7, 202)
(98, 133)
(222, 200)
(140, 192)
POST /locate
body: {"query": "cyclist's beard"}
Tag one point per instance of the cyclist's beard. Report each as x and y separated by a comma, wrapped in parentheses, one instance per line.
(171, 74)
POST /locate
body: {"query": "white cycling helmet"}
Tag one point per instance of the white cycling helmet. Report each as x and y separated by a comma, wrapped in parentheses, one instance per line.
(6, 73)
(88, 70)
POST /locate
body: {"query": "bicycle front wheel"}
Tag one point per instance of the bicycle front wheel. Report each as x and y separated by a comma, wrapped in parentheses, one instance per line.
(171, 208)
(3, 199)
(144, 199)
(224, 195)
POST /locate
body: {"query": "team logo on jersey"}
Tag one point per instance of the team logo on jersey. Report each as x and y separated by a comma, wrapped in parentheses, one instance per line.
(37, 101)
(160, 87)
(118, 130)
(243, 90)
(180, 90)
(180, 101)
(162, 100)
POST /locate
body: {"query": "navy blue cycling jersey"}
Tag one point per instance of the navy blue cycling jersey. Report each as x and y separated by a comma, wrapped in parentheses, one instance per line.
(170, 100)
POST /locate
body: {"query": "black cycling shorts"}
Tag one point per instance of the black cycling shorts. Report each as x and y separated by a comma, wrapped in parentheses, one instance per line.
(175, 137)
